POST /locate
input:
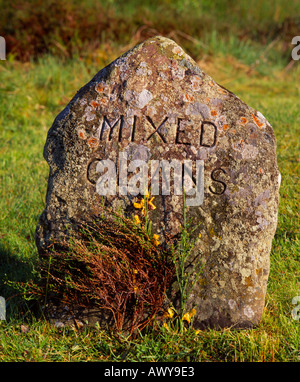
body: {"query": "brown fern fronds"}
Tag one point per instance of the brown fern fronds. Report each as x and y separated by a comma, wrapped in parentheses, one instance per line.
(111, 263)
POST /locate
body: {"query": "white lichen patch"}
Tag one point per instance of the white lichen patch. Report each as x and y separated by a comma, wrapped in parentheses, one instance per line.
(232, 304)
(144, 98)
(177, 50)
(248, 312)
(249, 152)
(89, 114)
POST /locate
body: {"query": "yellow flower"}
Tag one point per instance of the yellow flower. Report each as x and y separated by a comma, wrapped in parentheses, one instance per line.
(169, 313)
(155, 240)
(199, 236)
(140, 204)
(135, 271)
(165, 325)
(136, 219)
(187, 316)
(151, 206)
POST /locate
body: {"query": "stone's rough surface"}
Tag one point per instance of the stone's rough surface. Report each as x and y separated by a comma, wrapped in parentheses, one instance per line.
(155, 103)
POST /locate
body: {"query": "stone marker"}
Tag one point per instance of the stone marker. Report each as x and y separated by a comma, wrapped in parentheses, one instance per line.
(154, 114)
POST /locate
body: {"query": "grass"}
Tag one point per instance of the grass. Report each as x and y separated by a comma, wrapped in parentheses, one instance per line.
(69, 28)
(31, 95)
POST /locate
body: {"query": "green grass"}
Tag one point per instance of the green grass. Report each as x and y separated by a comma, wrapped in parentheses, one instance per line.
(68, 28)
(34, 92)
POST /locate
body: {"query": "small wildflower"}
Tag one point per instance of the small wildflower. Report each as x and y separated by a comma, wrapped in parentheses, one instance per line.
(140, 204)
(165, 325)
(155, 240)
(199, 235)
(187, 316)
(169, 313)
(135, 271)
(151, 206)
(137, 219)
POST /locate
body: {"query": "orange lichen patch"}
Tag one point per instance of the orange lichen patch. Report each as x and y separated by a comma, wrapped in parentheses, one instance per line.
(94, 104)
(93, 142)
(225, 127)
(188, 97)
(196, 82)
(197, 79)
(81, 134)
(221, 90)
(248, 281)
(257, 122)
(213, 113)
(244, 120)
(207, 100)
(103, 101)
(260, 170)
(99, 88)
(211, 83)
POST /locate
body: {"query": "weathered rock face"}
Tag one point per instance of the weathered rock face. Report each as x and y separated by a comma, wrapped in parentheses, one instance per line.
(155, 108)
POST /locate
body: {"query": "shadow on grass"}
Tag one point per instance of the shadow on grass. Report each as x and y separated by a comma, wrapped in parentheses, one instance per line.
(13, 273)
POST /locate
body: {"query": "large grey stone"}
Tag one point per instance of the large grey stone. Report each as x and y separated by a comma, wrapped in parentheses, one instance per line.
(153, 104)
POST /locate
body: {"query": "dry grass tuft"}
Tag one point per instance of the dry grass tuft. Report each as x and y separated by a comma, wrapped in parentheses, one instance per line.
(111, 264)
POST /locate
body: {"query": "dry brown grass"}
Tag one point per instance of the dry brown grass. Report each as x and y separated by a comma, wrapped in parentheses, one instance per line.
(111, 264)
